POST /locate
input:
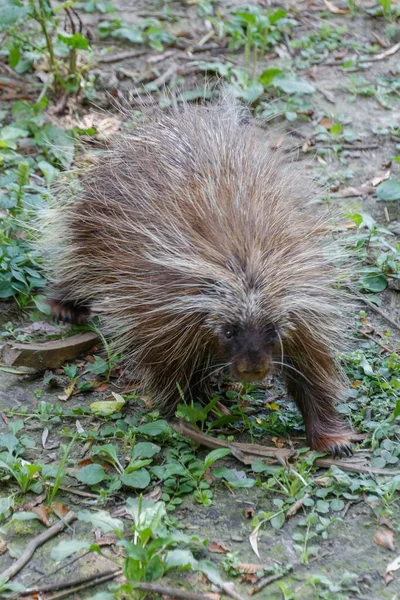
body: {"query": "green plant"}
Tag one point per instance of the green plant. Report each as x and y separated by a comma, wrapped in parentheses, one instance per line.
(380, 257)
(60, 473)
(33, 29)
(149, 31)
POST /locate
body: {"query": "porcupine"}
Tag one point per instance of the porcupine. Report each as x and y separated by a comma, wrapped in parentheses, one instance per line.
(198, 245)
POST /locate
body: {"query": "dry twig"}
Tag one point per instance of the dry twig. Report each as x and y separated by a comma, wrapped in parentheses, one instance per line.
(34, 544)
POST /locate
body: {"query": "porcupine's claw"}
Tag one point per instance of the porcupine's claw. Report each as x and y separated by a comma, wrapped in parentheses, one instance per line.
(342, 451)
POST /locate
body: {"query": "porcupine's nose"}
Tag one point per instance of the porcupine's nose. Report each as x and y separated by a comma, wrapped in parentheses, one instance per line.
(251, 372)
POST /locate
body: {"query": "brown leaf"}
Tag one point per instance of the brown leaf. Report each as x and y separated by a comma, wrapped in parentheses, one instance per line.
(59, 509)
(327, 123)
(37, 500)
(5, 418)
(218, 547)
(386, 522)
(279, 442)
(294, 509)
(154, 494)
(42, 513)
(85, 462)
(335, 10)
(67, 392)
(101, 387)
(380, 177)
(393, 566)
(354, 191)
(3, 546)
(385, 538)
(104, 540)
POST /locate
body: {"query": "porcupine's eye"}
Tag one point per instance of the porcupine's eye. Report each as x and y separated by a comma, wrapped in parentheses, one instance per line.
(230, 331)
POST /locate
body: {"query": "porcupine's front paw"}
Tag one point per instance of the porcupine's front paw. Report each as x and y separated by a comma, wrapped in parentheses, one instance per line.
(336, 443)
(69, 312)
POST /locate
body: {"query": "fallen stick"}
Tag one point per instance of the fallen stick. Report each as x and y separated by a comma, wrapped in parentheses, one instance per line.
(63, 585)
(84, 586)
(156, 588)
(34, 544)
(246, 453)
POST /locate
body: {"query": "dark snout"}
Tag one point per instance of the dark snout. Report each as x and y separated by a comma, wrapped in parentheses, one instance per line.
(251, 368)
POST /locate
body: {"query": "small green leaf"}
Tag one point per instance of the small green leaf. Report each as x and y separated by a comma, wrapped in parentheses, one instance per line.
(268, 75)
(278, 521)
(215, 455)
(374, 283)
(137, 479)
(102, 520)
(293, 86)
(91, 474)
(50, 173)
(180, 559)
(14, 55)
(336, 129)
(24, 516)
(68, 547)
(389, 190)
(77, 40)
(337, 505)
(145, 450)
(322, 507)
(153, 429)
(396, 412)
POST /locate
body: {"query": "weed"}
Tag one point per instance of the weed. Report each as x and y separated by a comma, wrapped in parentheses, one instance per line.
(33, 31)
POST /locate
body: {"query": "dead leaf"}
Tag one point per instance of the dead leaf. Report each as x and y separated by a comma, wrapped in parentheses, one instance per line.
(385, 538)
(218, 547)
(279, 442)
(380, 177)
(3, 546)
(67, 392)
(386, 522)
(294, 509)
(253, 539)
(154, 494)
(42, 327)
(101, 387)
(350, 191)
(5, 418)
(393, 566)
(42, 513)
(249, 512)
(59, 509)
(327, 123)
(45, 435)
(104, 540)
(37, 500)
(335, 10)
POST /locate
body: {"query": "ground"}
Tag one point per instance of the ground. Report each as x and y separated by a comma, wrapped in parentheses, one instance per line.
(305, 529)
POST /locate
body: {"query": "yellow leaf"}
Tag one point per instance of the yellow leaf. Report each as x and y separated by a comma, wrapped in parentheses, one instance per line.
(273, 406)
(106, 408)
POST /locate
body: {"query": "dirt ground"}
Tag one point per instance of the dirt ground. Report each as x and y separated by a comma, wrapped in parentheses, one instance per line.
(349, 563)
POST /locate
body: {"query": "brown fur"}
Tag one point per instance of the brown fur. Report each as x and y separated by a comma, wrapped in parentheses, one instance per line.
(199, 248)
